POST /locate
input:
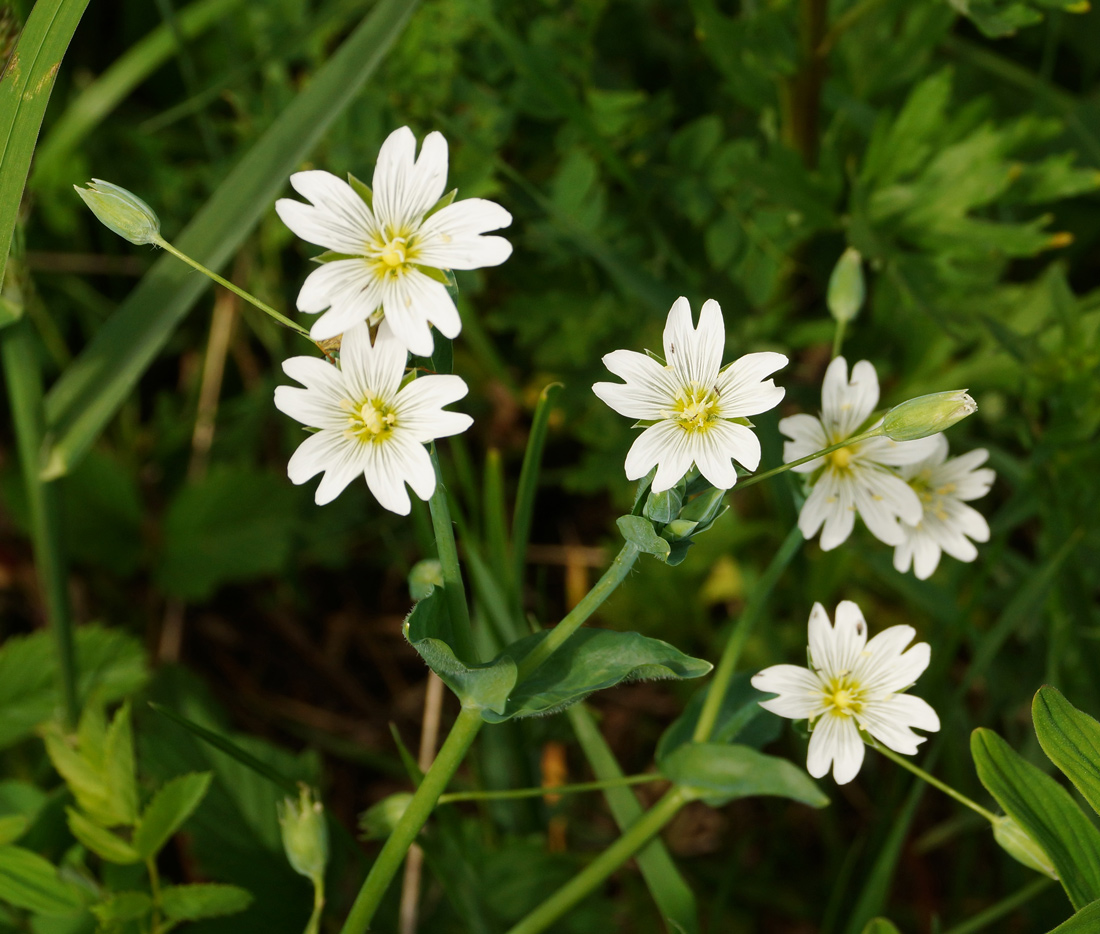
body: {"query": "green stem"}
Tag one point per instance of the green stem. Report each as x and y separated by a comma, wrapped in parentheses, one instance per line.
(513, 793)
(236, 290)
(838, 337)
(936, 783)
(446, 763)
(314, 924)
(154, 888)
(1003, 907)
(855, 439)
(453, 587)
(556, 637)
(24, 380)
(727, 665)
(603, 865)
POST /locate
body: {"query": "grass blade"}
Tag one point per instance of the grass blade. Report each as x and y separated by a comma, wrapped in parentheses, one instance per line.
(91, 390)
(1071, 740)
(24, 93)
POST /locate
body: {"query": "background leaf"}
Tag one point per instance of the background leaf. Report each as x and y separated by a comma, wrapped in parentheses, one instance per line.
(720, 774)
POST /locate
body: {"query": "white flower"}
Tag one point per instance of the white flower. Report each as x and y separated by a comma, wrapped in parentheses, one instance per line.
(858, 478)
(698, 411)
(392, 242)
(946, 523)
(369, 424)
(852, 685)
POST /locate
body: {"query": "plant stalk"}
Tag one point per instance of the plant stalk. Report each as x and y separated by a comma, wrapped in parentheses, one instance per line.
(453, 587)
(936, 783)
(855, 439)
(514, 793)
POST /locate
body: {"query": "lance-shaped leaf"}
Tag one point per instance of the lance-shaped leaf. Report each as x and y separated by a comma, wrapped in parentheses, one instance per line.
(122, 906)
(170, 807)
(479, 687)
(110, 846)
(1085, 921)
(1045, 810)
(204, 900)
(29, 881)
(1071, 738)
(590, 660)
(717, 774)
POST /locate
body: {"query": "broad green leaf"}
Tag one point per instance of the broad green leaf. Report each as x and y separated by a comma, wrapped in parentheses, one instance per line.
(110, 846)
(29, 881)
(24, 93)
(590, 660)
(639, 532)
(880, 926)
(1045, 810)
(1085, 921)
(123, 906)
(205, 900)
(1071, 739)
(170, 807)
(481, 687)
(234, 524)
(12, 827)
(93, 387)
(719, 774)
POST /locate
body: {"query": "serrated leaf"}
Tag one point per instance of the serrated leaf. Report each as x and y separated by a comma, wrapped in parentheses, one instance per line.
(590, 660)
(205, 900)
(102, 842)
(719, 774)
(1071, 740)
(1045, 810)
(639, 532)
(119, 771)
(123, 906)
(479, 687)
(171, 806)
(30, 881)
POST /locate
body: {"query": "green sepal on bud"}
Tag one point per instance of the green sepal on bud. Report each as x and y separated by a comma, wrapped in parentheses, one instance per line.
(1019, 844)
(379, 820)
(305, 834)
(122, 211)
(927, 415)
(846, 286)
(665, 524)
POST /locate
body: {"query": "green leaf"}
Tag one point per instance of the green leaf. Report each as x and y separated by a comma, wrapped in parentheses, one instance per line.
(880, 926)
(205, 900)
(93, 387)
(639, 532)
(1071, 739)
(234, 524)
(170, 807)
(590, 660)
(29, 881)
(119, 771)
(1085, 921)
(24, 93)
(123, 906)
(12, 827)
(362, 189)
(481, 687)
(1045, 810)
(102, 842)
(719, 774)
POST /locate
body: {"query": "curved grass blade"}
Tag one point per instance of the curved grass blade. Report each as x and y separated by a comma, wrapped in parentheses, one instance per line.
(90, 391)
(24, 93)
(1071, 740)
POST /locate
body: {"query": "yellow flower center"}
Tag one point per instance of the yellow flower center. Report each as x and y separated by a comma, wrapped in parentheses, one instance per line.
(843, 695)
(393, 253)
(695, 407)
(840, 459)
(373, 421)
(932, 498)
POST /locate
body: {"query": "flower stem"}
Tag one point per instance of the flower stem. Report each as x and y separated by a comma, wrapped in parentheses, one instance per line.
(248, 297)
(385, 867)
(647, 826)
(838, 336)
(453, 587)
(855, 439)
(154, 888)
(513, 793)
(995, 912)
(727, 665)
(611, 579)
(936, 783)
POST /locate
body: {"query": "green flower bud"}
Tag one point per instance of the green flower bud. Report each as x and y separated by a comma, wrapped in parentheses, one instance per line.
(121, 210)
(928, 415)
(706, 507)
(678, 529)
(424, 576)
(305, 834)
(1018, 844)
(378, 821)
(846, 288)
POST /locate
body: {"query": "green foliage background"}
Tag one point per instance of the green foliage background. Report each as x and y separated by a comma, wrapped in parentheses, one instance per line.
(647, 149)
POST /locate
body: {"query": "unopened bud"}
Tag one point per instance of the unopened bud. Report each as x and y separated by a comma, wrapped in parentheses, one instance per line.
(305, 834)
(378, 821)
(121, 210)
(1020, 845)
(846, 287)
(928, 415)
(423, 577)
(706, 507)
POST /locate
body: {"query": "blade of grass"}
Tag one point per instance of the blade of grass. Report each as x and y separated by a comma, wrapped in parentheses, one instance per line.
(93, 388)
(24, 93)
(672, 894)
(88, 109)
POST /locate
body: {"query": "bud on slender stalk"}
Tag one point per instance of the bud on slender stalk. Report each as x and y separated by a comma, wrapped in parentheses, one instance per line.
(305, 834)
(846, 287)
(378, 821)
(121, 210)
(928, 415)
(1018, 844)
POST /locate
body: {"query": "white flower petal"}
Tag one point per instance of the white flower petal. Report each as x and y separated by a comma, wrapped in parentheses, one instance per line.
(334, 283)
(839, 508)
(675, 457)
(348, 309)
(371, 371)
(694, 354)
(387, 466)
(713, 458)
(735, 441)
(310, 408)
(742, 387)
(807, 435)
(337, 219)
(451, 238)
(404, 189)
(835, 741)
(799, 690)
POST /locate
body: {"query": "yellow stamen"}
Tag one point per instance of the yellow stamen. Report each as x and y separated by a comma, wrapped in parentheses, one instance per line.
(841, 459)
(393, 254)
